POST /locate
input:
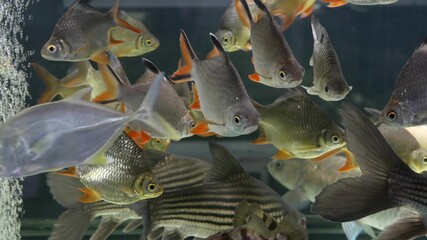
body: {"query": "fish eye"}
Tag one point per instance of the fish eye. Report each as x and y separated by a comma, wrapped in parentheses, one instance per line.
(425, 160)
(282, 74)
(51, 48)
(193, 124)
(158, 141)
(152, 187)
(335, 139)
(225, 40)
(148, 42)
(391, 115)
(278, 164)
(326, 88)
(237, 119)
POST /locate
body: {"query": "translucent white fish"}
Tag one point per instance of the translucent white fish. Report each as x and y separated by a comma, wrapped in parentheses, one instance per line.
(66, 133)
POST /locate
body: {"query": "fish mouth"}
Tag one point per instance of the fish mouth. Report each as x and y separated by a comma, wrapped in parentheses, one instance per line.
(250, 128)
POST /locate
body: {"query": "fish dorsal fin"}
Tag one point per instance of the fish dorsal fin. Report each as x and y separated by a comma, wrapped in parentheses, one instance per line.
(263, 8)
(83, 5)
(218, 49)
(290, 93)
(223, 165)
(423, 45)
(150, 73)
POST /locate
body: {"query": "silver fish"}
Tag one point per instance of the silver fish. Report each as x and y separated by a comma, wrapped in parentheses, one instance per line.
(386, 182)
(206, 209)
(223, 97)
(275, 64)
(337, 3)
(329, 82)
(173, 171)
(407, 105)
(76, 130)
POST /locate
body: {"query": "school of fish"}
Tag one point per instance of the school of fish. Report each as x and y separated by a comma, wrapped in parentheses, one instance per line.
(103, 141)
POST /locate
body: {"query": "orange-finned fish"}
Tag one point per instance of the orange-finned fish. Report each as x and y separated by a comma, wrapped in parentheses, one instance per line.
(328, 80)
(298, 127)
(220, 91)
(170, 106)
(127, 43)
(288, 10)
(275, 64)
(231, 33)
(83, 33)
(338, 3)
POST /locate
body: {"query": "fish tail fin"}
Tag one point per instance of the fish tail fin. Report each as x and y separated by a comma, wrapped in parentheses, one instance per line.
(147, 114)
(353, 198)
(53, 84)
(188, 55)
(72, 223)
(121, 22)
(246, 16)
(142, 208)
(410, 226)
(107, 225)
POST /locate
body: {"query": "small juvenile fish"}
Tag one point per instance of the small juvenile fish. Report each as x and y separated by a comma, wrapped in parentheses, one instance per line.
(206, 209)
(170, 106)
(329, 82)
(221, 95)
(83, 33)
(252, 223)
(126, 179)
(298, 127)
(407, 105)
(173, 171)
(386, 182)
(231, 33)
(128, 43)
(32, 140)
(275, 64)
(338, 3)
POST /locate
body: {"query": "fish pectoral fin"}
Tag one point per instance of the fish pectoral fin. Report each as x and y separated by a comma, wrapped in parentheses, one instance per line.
(247, 47)
(70, 172)
(282, 155)
(101, 57)
(252, 60)
(200, 128)
(311, 63)
(145, 137)
(335, 3)
(260, 141)
(196, 102)
(89, 195)
(112, 41)
(350, 161)
(310, 90)
(254, 77)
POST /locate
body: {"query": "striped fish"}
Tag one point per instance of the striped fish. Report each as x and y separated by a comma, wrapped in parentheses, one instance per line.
(209, 208)
(172, 171)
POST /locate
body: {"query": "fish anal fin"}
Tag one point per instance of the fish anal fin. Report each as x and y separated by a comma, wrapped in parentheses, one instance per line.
(89, 195)
(282, 155)
(70, 172)
(200, 128)
(196, 102)
(101, 57)
(254, 77)
(335, 3)
(350, 161)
